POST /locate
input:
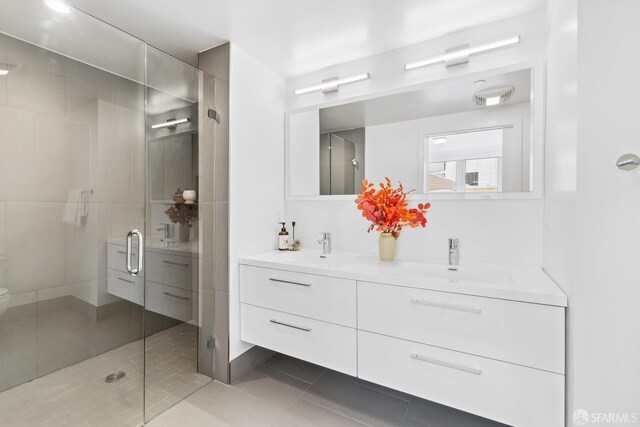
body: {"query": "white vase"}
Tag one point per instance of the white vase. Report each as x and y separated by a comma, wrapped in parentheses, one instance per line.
(386, 247)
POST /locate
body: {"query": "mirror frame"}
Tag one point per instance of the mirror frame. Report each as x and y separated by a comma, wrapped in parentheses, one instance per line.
(536, 129)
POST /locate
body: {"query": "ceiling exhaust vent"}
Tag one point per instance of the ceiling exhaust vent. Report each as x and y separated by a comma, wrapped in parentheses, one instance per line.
(494, 96)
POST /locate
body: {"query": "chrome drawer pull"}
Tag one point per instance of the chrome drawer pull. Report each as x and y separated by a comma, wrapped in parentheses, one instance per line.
(301, 328)
(125, 280)
(447, 364)
(290, 282)
(176, 263)
(169, 294)
(447, 306)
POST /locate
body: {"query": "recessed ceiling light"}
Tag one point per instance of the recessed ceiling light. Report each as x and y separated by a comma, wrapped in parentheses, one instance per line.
(439, 140)
(58, 6)
(4, 72)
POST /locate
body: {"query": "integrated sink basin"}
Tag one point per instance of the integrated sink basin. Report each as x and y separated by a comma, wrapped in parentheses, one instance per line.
(484, 274)
(518, 283)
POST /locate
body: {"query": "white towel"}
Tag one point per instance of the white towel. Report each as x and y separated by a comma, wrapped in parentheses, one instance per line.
(76, 207)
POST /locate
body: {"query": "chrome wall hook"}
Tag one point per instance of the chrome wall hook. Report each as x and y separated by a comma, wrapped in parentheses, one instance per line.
(628, 162)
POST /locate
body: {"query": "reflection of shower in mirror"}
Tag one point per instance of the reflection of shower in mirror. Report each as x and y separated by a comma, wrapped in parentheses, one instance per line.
(341, 161)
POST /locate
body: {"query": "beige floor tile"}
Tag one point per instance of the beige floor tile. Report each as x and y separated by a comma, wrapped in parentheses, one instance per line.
(296, 368)
(271, 386)
(218, 405)
(306, 414)
(78, 394)
(333, 391)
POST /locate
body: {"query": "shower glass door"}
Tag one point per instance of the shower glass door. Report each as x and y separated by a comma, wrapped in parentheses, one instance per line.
(95, 328)
(173, 321)
(72, 185)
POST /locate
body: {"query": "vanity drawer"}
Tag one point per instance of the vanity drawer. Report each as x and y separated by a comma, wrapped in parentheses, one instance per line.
(319, 297)
(317, 342)
(126, 286)
(173, 302)
(512, 394)
(523, 333)
(117, 257)
(172, 270)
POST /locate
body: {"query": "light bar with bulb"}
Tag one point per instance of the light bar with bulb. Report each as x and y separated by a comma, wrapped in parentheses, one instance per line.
(170, 123)
(463, 52)
(333, 83)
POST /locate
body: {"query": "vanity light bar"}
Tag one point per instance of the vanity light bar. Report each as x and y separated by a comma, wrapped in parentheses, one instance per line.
(461, 53)
(327, 85)
(170, 123)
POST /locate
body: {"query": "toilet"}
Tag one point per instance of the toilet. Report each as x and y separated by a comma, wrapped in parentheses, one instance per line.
(4, 300)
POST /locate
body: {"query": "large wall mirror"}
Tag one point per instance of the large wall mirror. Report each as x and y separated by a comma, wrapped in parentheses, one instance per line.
(468, 137)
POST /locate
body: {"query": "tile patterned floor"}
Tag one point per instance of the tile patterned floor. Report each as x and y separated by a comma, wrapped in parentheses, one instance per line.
(79, 396)
(287, 392)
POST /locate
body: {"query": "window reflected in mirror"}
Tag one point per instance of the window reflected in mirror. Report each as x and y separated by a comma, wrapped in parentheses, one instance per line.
(466, 162)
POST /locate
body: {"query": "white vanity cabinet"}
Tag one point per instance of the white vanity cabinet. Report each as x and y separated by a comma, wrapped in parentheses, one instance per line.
(307, 316)
(492, 349)
(170, 276)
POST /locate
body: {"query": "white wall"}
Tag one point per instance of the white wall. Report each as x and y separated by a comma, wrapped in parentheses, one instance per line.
(387, 69)
(592, 209)
(604, 298)
(509, 231)
(256, 170)
(506, 231)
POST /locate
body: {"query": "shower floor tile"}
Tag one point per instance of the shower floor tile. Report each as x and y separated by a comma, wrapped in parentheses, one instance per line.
(79, 396)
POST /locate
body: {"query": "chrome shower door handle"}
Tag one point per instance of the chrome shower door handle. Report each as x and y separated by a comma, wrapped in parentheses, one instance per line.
(135, 271)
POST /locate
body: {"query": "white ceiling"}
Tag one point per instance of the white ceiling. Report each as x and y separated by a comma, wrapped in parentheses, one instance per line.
(297, 36)
(432, 101)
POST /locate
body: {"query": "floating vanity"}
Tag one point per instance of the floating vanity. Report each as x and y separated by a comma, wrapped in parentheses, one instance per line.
(485, 339)
(171, 274)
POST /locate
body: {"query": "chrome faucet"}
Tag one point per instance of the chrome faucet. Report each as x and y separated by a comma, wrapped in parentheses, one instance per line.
(166, 229)
(325, 241)
(453, 254)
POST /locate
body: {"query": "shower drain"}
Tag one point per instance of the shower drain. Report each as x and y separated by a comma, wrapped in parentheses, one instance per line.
(112, 378)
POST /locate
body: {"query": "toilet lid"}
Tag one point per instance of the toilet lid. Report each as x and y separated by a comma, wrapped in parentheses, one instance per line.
(3, 292)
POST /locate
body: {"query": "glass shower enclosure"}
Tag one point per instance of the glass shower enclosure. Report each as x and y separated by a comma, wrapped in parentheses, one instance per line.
(105, 317)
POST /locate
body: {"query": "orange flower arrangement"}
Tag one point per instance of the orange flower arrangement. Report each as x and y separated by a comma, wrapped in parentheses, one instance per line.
(387, 209)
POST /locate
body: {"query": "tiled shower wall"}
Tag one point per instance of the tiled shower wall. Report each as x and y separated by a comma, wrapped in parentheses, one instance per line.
(65, 125)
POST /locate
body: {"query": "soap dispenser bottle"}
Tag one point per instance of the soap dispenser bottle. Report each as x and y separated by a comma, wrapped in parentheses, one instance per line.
(283, 239)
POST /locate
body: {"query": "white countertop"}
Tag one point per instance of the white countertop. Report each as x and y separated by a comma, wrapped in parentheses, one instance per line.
(155, 244)
(526, 284)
